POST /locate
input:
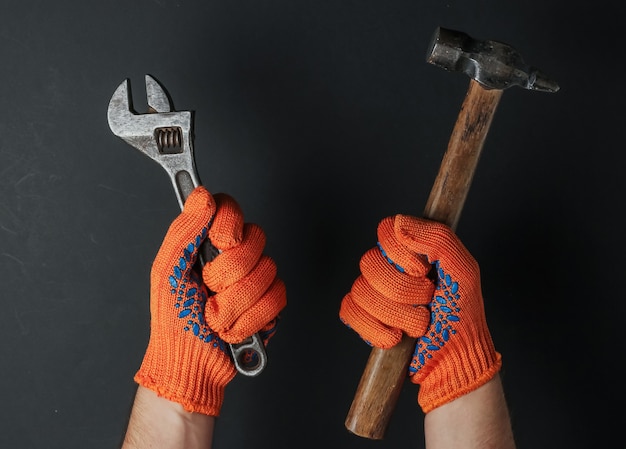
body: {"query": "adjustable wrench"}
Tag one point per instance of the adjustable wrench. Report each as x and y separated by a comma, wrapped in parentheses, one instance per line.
(166, 136)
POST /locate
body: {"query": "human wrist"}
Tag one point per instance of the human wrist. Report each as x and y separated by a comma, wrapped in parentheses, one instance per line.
(177, 427)
(478, 419)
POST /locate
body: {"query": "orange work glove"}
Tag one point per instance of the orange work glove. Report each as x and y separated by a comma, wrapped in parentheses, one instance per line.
(187, 360)
(422, 281)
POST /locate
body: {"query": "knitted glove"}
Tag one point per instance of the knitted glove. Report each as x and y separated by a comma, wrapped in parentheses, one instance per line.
(187, 360)
(422, 281)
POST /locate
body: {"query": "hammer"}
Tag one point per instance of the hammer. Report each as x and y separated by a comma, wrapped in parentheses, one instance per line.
(492, 67)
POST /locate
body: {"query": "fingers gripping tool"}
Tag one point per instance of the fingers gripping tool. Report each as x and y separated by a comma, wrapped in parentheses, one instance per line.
(166, 136)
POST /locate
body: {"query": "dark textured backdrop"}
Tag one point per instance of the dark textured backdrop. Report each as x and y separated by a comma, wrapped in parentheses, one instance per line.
(321, 118)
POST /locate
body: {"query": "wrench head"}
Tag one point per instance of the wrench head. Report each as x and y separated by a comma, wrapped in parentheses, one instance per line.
(164, 135)
(161, 134)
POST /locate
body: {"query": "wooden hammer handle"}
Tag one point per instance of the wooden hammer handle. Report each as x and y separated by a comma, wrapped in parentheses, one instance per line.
(386, 369)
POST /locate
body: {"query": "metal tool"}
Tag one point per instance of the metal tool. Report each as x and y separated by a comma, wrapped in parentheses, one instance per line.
(166, 136)
(492, 67)
(493, 64)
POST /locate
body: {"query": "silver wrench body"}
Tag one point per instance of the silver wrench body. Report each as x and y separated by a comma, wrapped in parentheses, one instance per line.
(166, 137)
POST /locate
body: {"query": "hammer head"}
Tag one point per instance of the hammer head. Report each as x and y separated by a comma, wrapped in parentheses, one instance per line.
(493, 64)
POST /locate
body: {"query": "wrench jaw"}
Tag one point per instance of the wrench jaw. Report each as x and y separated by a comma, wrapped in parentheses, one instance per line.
(158, 100)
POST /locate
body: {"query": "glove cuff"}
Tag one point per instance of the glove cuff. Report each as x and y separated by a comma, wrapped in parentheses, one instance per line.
(198, 387)
(457, 375)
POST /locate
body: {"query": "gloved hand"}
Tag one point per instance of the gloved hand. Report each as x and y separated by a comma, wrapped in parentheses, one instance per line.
(397, 292)
(187, 360)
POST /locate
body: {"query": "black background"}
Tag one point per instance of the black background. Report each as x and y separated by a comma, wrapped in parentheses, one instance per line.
(321, 118)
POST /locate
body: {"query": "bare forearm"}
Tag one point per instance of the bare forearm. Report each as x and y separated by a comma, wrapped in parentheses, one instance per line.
(156, 422)
(477, 420)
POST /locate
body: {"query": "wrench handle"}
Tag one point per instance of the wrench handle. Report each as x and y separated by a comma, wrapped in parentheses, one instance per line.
(385, 372)
(249, 356)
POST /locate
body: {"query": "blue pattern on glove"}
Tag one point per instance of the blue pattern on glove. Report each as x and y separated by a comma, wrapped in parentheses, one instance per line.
(191, 296)
(384, 253)
(444, 309)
